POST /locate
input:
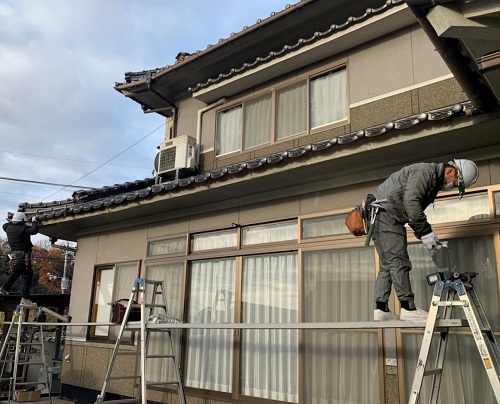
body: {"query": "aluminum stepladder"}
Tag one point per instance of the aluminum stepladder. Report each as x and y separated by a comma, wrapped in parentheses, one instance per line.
(151, 313)
(23, 346)
(450, 285)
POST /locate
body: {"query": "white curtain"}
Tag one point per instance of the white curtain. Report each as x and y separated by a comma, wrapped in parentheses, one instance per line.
(324, 226)
(170, 246)
(212, 241)
(291, 110)
(229, 128)
(340, 366)
(172, 275)
(258, 118)
(464, 378)
(269, 358)
(125, 276)
(211, 300)
(328, 98)
(454, 210)
(270, 233)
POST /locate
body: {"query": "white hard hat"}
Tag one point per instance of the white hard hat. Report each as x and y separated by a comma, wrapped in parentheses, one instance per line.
(467, 173)
(18, 217)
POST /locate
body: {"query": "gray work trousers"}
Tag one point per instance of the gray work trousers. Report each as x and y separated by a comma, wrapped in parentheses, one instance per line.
(391, 243)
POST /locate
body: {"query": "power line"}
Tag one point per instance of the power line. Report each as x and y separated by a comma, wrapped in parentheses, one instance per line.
(65, 159)
(44, 183)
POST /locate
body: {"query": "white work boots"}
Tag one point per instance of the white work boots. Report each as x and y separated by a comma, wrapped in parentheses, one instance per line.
(405, 315)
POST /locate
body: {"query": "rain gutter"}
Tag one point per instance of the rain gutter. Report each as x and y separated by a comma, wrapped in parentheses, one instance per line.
(450, 51)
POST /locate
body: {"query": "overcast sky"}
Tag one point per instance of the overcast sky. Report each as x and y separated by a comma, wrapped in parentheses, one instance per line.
(60, 117)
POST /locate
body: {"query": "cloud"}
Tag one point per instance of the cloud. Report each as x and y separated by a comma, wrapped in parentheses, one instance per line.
(60, 117)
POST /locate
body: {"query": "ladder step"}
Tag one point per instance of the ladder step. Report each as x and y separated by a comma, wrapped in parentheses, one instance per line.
(162, 383)
(28, 362)
(29, 383)
(160, 356)
(149, 305)
(434, 371)
(152, 282)
(125, 353)
(124, 377)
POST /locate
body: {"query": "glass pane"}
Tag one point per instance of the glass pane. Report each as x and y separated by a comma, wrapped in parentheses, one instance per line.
(454, 210)
(213, 241)
(159, 369)
(171, 246)
(229, 130)
(328, 98)
(338, 287)
(125, 276)
(464, 378)
(474, 254)
(269, 358)
(103, 298)
(291, 110)
(270, 233)
(209, 363)
(341, 367)
(258, 118)
(496, 196)
(324, 226)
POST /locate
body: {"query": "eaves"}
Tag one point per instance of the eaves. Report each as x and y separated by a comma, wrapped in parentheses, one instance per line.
(287, 31)
(333, 160)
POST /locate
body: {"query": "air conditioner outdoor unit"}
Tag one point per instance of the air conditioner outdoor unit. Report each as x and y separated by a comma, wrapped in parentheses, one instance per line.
(176, 155)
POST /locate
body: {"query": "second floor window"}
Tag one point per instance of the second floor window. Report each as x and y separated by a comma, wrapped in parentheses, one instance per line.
(288, 111)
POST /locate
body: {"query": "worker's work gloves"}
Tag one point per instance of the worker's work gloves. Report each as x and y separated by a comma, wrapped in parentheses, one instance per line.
(431, 241)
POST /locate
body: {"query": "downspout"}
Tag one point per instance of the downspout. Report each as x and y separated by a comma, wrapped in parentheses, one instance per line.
(199, 124)
(449, 49)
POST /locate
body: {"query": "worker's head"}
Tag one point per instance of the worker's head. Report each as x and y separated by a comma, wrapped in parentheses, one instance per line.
(461, 174)
(18, 217)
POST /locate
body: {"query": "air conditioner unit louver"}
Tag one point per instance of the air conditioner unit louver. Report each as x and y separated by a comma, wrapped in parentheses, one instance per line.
(177, 155)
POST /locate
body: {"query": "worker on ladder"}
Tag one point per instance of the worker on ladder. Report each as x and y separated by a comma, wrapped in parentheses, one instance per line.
(19, 239)
(407, 194)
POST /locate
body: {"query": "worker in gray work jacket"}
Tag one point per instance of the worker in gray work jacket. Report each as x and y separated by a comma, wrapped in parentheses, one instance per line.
(19, 239)
(407, 193)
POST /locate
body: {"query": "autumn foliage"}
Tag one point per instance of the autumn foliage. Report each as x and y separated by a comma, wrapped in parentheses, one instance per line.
(45, 260)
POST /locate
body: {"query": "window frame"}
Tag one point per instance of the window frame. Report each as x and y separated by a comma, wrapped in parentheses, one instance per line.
(308, 78)
(94, 306)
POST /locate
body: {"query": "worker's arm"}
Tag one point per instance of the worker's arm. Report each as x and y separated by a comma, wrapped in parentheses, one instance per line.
(33, 229)
(419, 184)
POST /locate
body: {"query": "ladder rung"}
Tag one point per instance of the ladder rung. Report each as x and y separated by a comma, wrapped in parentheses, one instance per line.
(124, 377)
(160, 356)
(126, 400)
(29, 363)
(161, 383)
(30, 344)
(149, 305)
(152, 282)
(434, 371)
(28, 383)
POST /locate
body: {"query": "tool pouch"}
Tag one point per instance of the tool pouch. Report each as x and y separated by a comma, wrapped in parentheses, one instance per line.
(354, 222)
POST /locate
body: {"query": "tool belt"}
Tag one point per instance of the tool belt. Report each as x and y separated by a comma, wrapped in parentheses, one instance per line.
(19, 260)
(372, 208)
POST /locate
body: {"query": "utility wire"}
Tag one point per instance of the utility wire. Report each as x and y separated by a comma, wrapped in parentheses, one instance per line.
(64, 159)
(44, 183)
(105, 163)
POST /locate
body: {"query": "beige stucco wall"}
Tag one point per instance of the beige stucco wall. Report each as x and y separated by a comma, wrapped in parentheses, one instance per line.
(398, 75)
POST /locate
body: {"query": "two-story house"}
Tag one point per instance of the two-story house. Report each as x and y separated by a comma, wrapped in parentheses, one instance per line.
(273, 135)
